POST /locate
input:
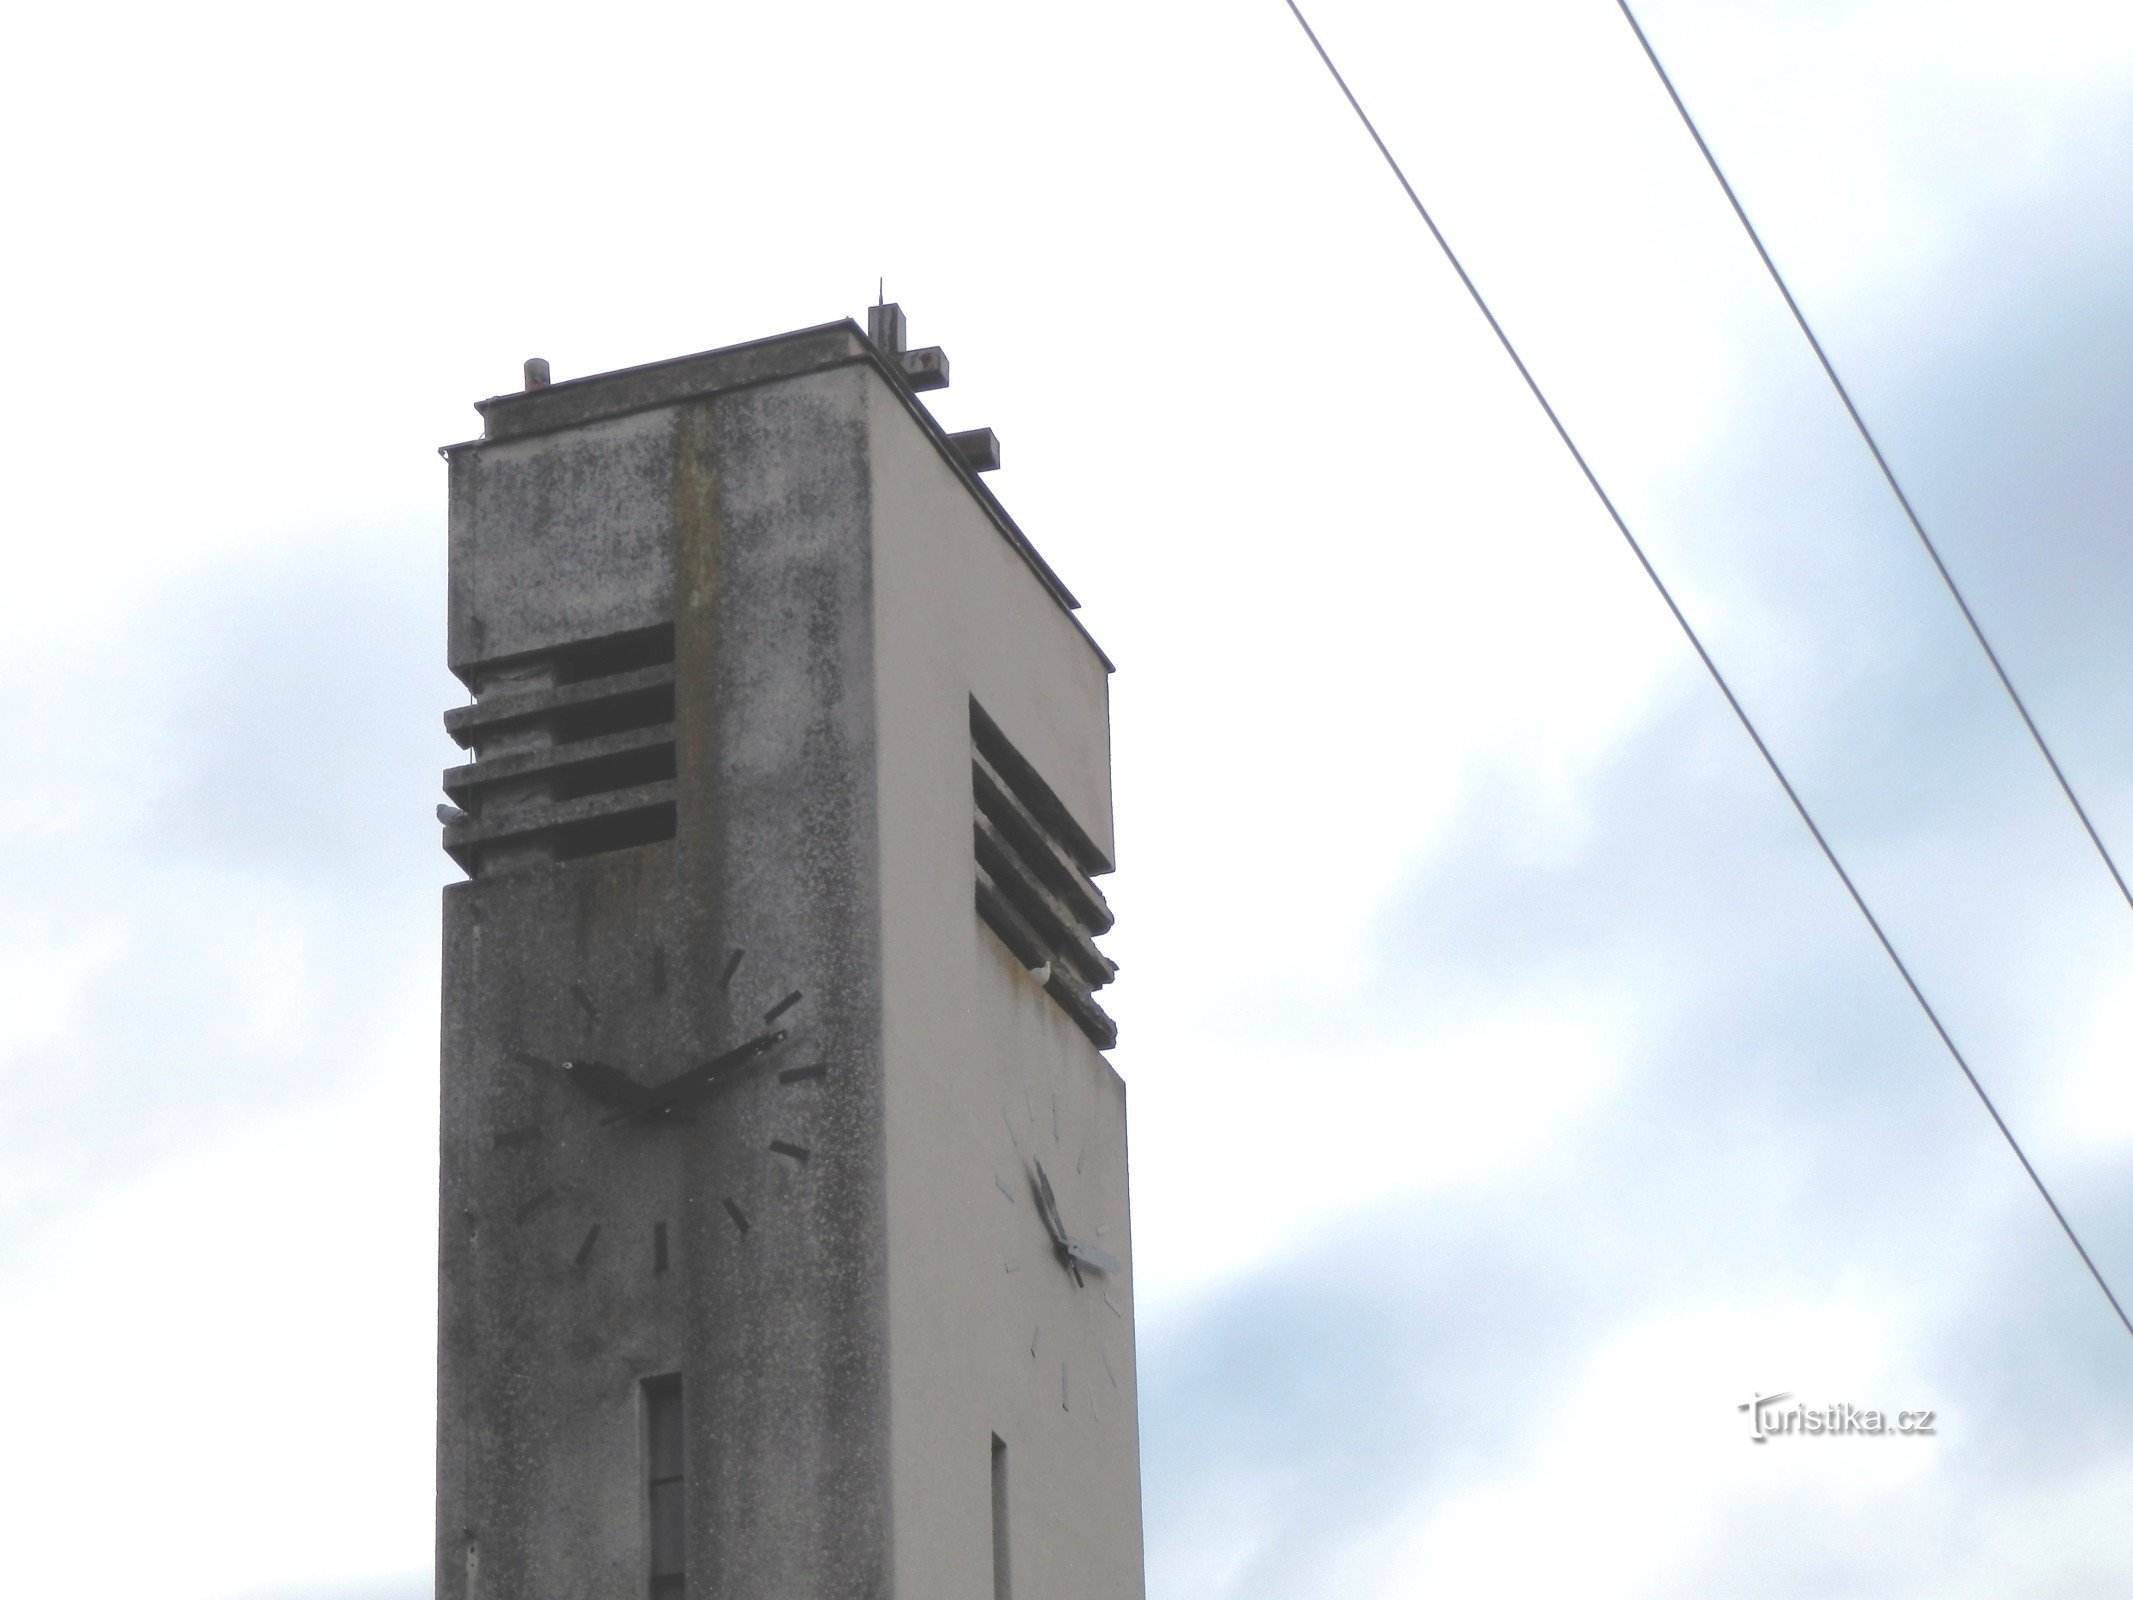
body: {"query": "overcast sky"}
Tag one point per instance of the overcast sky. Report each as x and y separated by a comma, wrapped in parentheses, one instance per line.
(1514, 1091)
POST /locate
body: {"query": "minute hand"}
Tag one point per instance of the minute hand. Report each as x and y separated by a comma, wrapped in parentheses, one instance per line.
(698, 1080)
(1048, 1204)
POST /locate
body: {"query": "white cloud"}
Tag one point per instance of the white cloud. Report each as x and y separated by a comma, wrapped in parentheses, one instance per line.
(1446, 889)
(233, 1348)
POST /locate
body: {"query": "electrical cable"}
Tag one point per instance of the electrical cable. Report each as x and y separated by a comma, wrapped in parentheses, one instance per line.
(1873, 446)
(1740, 712)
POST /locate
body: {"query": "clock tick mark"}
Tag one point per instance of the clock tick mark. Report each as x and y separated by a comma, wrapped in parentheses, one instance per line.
(802, 1074)
(516, 1136)
(585, 1001)
(1113, 1304)
(585, 1248)
(1014, 1266)
(1105, 1357)
(1081, 1161)
(659, 1247)
(795, 1152)
(1003, 1188)
(1055, 1119)
(781, 1007)
(529, 1209)
(1063, 1406)
(526, 1058)
(1033, 1333)
(740, 1219)
(733, 965)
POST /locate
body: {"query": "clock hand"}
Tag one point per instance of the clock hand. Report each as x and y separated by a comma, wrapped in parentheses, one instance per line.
(1089, 1256)
(698, 1080)
(608, 1085)
(1048, 1205)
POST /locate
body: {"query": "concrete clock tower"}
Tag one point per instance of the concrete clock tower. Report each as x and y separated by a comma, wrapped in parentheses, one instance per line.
(783, 1228)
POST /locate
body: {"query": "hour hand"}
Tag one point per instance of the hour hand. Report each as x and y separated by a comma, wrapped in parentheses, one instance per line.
(1088, 1255)
(611, 1086)
(684, 1087)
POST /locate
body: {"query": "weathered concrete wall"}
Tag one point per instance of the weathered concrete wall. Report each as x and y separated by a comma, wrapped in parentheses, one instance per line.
(780, 1331)
(561, 537)
(823, 1256)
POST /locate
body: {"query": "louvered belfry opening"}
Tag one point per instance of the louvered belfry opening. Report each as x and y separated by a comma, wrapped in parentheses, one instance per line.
(1035, 878)
(573, 754)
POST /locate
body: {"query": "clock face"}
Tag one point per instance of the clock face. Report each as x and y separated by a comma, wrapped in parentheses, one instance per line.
(1058, 1187)
(615, 1107)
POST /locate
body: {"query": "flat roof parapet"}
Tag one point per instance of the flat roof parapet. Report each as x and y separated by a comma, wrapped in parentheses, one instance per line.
(573, 402)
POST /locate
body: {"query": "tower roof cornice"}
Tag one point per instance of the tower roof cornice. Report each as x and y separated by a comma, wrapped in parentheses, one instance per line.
(574, 402)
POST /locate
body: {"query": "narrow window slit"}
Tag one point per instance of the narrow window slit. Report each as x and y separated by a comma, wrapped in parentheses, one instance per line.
(1003, 1583)
(665, 1457)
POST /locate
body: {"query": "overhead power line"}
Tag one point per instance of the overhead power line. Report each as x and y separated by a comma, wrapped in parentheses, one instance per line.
(1888, 475)
(1740, 712)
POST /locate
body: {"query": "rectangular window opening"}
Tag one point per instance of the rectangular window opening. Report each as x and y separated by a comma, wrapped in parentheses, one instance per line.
(626, 712)
(615, 653)
(665, 1460)
(623, 770)
(624, 831)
